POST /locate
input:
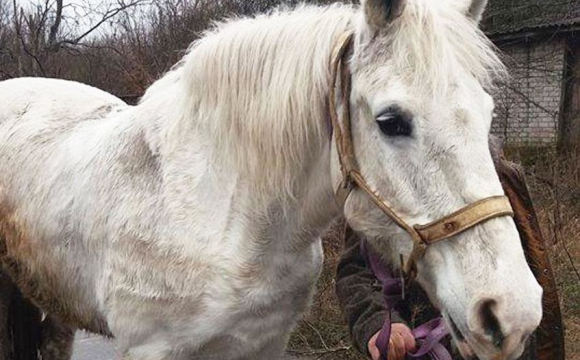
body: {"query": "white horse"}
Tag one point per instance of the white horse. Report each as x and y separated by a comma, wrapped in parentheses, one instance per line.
(188, 226)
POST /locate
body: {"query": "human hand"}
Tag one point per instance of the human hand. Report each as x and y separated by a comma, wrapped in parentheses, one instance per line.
(401, 342)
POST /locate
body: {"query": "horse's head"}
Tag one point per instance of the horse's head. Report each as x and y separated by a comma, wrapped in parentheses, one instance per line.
(420, 124)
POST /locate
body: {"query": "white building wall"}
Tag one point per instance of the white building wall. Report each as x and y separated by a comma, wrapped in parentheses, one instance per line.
(528, 105)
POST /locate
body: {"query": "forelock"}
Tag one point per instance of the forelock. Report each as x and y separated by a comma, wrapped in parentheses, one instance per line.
(429, 46)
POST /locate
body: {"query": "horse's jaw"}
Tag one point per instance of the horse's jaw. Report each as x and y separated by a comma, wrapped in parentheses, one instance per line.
(486, 291)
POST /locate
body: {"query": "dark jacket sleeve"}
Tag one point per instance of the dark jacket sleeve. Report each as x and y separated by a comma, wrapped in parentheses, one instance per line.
(359, 292)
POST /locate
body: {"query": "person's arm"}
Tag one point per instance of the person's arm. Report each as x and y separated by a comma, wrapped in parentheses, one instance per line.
(359, 293)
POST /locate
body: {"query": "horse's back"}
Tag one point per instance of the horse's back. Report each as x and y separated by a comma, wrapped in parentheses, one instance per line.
(38, 116)
(30, 99)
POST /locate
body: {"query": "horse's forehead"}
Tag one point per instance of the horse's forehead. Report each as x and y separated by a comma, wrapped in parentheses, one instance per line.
(463, 97)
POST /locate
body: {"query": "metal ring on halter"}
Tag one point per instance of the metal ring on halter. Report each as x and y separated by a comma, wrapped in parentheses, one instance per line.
(423, 235)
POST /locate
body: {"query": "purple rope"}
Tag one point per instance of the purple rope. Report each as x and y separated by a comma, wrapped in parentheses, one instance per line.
(429, 334)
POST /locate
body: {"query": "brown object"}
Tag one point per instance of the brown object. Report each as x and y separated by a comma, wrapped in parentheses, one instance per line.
(550, 334)
(422, 235)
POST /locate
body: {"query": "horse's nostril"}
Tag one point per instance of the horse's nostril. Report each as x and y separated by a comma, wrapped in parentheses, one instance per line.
(490, 322)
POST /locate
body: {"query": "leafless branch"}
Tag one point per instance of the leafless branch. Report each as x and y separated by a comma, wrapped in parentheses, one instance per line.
(109, 14)
(317, 333)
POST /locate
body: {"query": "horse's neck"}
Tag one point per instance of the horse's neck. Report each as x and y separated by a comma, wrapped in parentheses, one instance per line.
(217, 202)
(246, 149)
(213, 200)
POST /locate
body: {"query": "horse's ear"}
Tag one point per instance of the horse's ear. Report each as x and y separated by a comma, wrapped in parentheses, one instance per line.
(379, 13)
(476, 9)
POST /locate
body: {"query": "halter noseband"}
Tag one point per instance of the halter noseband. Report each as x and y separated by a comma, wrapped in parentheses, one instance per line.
(423, 235)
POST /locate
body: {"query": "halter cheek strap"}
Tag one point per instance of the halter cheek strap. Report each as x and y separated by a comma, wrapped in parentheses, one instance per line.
(423, 235)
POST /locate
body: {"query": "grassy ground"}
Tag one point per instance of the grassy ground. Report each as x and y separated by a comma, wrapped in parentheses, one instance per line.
(554, 182)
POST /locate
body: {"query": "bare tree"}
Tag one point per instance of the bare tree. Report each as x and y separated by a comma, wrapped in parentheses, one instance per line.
(41, 32)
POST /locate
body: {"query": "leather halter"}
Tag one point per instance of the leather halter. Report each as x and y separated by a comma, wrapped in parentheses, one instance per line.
(423, 235)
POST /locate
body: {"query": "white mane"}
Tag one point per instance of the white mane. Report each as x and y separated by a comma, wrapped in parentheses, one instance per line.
(229, 74)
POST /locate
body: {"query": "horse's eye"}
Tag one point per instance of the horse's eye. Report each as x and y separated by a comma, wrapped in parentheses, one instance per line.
(395, 123)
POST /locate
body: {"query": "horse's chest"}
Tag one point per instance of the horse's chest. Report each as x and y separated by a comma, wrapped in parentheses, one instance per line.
(285, 293)
(223, 310)
(270, 308)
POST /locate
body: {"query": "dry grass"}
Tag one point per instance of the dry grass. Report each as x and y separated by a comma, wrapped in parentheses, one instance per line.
(323, 333)
(554, 182)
